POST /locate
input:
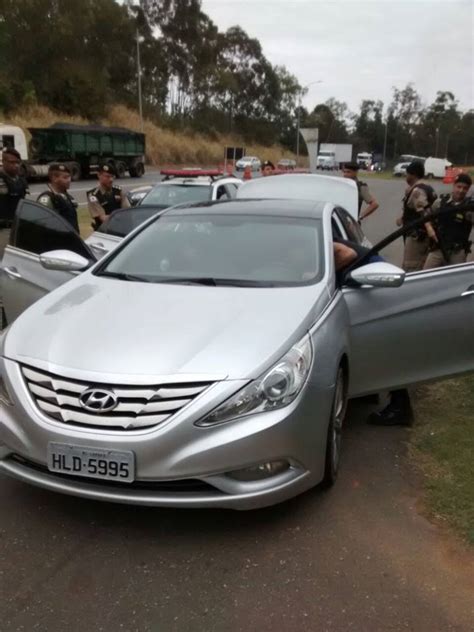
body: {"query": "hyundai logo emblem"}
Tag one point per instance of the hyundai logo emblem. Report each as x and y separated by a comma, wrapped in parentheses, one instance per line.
(97, 400)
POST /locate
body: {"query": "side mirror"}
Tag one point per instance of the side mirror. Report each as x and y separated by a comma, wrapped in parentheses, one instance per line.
(379, 274)
(64, 260)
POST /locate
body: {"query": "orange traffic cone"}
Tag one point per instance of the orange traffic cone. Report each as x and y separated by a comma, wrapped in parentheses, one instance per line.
(449, 176)
(247, 173)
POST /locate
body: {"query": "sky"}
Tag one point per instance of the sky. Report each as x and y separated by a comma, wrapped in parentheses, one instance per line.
(359, 49)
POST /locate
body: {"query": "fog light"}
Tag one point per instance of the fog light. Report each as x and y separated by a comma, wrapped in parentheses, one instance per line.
(259, 472)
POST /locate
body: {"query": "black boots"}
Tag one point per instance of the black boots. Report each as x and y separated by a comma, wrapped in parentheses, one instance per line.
(397, 413)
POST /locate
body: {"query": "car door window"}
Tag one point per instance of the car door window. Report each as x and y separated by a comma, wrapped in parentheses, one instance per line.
(38, 229)
(231, 190)
(338, 231)
(221, 193)
(353, 229)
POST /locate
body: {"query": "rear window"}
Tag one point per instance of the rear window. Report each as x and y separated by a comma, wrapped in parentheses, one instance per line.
(171, 194)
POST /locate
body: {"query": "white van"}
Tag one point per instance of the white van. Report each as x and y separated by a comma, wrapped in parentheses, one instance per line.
(436, 167)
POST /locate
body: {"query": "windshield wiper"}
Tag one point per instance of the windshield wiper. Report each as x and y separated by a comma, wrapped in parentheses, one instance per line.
(123, 276)
(187, 280)
(214, 282)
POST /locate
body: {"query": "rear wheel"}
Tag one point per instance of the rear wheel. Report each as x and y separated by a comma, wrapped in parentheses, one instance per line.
(333, 443)
(121, 169)
(75, 171)
(137, 170)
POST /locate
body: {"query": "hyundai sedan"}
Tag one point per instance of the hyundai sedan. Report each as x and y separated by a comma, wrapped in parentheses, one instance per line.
(207, 360)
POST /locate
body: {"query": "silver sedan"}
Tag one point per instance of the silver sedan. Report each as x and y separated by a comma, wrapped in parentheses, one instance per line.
(207, 360)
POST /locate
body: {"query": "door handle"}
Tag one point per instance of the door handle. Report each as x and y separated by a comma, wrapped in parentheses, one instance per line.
(12, 272)
(469, 291)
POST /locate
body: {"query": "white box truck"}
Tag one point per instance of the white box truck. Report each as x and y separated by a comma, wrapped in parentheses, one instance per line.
(436, 167)
(331, 156)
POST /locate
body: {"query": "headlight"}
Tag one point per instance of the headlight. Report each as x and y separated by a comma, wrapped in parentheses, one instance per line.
(277, 388)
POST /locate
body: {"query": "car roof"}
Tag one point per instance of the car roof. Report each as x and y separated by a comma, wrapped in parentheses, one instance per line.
(271, 207)
(304, 186)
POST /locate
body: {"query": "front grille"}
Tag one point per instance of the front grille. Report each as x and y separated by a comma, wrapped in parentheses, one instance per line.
(136, 407)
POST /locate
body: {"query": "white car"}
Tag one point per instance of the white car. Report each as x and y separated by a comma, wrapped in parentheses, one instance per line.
(191, 185)
(400, 169)
(248, 161)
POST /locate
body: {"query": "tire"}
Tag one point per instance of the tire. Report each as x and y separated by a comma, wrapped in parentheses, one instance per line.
(75, 171)
(121, 169)
(137, 170)
(333, 442)
(430, 176)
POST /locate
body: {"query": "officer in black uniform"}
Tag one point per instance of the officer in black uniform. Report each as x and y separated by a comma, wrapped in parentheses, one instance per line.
(105, 198)
(13, 188)
(57, 198)
(450, 244)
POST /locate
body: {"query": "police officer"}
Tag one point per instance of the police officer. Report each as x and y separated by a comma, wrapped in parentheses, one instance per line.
(350, 171)
(13, 188)
(57, 198)
(450, 244)
(105, 198)
(419, 198)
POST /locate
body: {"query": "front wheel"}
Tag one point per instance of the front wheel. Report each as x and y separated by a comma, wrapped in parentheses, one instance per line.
(333, 442)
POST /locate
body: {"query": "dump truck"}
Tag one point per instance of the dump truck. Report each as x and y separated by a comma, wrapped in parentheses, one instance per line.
(82, 147)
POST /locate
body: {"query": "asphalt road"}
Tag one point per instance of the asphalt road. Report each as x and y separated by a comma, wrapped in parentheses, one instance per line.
(360, 557)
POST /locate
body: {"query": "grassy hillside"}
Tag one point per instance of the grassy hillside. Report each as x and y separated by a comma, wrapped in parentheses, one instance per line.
(163, 146)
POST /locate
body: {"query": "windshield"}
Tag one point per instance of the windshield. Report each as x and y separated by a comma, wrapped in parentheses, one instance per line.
(245, 250)
(123, 221)
(170, 194)
(329, 154)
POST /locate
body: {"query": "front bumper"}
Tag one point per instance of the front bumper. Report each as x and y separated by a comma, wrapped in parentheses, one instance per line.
(177, 463)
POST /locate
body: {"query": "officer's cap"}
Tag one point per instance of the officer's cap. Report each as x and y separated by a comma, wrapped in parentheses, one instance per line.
(58, 167)
(106, 168)
(463, 178)
(416, 168)
(11, 151)
(352, 166)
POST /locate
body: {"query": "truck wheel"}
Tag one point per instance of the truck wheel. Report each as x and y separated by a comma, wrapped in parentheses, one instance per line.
(137, 170)
(75, 171)
(121, 169)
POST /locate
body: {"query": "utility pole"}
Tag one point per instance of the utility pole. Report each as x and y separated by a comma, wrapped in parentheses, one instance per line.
(385, 143)
(139, 80)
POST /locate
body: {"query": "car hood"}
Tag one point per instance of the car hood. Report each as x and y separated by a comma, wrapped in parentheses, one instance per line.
(107, 326)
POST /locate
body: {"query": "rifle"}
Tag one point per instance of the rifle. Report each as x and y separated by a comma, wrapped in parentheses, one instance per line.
(468, 205)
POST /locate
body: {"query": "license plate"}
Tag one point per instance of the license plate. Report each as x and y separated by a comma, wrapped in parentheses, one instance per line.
(111, 465)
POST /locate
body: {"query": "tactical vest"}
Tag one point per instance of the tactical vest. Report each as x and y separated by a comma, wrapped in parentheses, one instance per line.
(454, 229)
(12, 190)
(110, 201)
(410, 214)
(64, 205)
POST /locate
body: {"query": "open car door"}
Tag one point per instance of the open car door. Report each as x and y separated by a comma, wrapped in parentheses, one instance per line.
(36, 230)
(420, 331)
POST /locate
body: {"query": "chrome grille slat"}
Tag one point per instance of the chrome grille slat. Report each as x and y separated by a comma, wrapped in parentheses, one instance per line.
(137, 406)
(100, 420)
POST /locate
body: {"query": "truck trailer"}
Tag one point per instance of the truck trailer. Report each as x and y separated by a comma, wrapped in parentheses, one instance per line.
(82, 147)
